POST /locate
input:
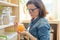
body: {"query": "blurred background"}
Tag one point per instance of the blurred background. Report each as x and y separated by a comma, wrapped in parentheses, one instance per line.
(15, 12)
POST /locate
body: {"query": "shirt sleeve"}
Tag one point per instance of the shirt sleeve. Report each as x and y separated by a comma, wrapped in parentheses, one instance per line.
(43, 33)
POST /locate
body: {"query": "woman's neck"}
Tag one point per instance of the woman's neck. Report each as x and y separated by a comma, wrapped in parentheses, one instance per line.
(34, 18)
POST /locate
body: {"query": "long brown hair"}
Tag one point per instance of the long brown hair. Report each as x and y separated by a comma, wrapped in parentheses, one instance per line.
(39, 4)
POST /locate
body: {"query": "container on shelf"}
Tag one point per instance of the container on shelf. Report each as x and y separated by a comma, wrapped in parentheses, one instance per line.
(7, 10)
(1, 22)
(9, 1)
(12, 19)
(4, 0)
(10, 29)
(9, 36)
(6, 15)
(2, 31)
(2, 38)
(5, 20)
(2, 35)
(1, 9)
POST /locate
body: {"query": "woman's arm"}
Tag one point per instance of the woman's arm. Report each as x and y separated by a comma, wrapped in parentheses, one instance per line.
(29, 35)
(43, 33)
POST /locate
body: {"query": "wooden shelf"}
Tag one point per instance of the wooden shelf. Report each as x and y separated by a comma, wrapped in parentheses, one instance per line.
(14, 4)
(54, 21)
(4, 26)
(3, 3)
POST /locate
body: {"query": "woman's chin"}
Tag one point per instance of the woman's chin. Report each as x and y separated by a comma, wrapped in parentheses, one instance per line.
(33, 17)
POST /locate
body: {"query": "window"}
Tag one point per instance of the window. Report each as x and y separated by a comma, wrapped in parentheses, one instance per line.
(24, 15)
(51, 7)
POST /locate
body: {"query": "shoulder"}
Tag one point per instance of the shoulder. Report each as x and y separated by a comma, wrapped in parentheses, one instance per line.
(43, 23)
(43, 20)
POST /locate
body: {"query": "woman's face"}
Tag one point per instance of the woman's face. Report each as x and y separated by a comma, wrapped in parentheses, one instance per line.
(33, 10)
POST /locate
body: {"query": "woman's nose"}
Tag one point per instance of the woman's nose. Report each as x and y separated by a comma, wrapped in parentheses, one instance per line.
(30, 11)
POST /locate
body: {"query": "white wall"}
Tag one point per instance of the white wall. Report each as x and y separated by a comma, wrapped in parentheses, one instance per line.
(58, 9)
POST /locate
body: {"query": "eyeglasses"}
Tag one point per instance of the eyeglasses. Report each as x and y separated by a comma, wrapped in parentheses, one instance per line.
(31, 10)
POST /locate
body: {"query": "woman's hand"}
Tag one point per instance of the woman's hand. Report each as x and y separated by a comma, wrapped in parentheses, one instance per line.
(15, 24)
(25, 33)
(29, 35)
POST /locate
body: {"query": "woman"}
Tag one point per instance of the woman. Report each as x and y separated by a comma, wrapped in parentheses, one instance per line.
(39, 28)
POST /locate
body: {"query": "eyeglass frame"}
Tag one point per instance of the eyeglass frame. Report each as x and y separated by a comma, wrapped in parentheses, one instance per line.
(31, 10)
